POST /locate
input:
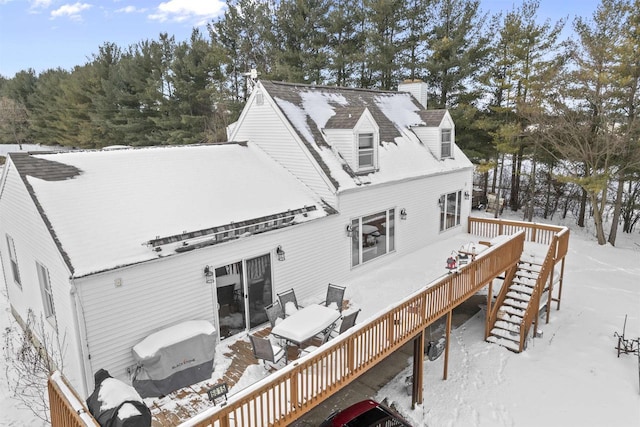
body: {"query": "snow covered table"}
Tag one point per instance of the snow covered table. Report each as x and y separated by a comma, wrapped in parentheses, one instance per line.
(305, 323)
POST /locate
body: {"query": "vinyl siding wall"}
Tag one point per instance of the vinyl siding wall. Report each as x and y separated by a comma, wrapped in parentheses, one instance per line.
(33, 243)
(173, 289)
(263, 126)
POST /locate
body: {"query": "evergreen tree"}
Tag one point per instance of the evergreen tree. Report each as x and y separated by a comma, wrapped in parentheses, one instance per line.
(457, 52)
(345, 41)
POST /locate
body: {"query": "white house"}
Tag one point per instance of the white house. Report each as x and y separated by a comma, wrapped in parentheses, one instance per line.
(324, 184)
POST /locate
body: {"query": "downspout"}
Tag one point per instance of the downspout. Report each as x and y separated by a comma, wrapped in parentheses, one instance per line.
(80, 337)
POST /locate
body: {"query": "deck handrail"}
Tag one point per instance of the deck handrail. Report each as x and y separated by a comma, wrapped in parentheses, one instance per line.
(65, 407)
(292, 391)
(557, 237)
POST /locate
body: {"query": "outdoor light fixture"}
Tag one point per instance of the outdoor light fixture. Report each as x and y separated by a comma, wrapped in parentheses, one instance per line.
(349, 230)
(280, 253)
(440, 202)
(403, 213)
(208, 274)
(466, 195)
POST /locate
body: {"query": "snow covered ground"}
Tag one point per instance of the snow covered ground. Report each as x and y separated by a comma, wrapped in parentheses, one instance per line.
(569, 377)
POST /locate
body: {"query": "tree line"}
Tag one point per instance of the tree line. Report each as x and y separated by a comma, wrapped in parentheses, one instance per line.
(551, 122)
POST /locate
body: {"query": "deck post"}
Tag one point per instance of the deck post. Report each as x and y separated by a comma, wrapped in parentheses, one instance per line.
(487, 315)
(418, 370)
(446, 345)
(560, 280)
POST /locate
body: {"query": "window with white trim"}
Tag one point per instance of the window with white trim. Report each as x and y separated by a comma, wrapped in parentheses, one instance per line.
(450, 207)
(45, 288)
(365, 151)
(14, 261)
(372, 236)
(445, 139)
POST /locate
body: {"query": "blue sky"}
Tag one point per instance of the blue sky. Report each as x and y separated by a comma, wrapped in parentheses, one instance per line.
(43, 34)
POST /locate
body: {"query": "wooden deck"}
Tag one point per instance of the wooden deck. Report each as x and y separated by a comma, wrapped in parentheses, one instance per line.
(291, 392)
(187, 402)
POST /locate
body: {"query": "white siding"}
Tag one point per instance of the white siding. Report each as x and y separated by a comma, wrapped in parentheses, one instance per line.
(430, 137)
(343, 141)
(262, 125)
(173, 289)
(33, 243)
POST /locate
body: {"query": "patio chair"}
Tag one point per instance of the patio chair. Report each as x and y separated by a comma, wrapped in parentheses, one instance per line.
(318, 340)
(288, 297)
(265, 350)
(335, 294)
(274, 312)
(348, 322)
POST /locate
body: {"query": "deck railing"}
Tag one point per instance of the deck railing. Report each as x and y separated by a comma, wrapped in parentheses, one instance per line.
(295, 389)
(292, 391)
(558, 240)
(65, 407)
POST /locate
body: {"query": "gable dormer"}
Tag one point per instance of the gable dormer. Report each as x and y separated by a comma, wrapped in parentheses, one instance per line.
(355, 135)
(437, 133)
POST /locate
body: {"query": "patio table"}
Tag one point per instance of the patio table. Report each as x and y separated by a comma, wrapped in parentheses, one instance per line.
(305, 323)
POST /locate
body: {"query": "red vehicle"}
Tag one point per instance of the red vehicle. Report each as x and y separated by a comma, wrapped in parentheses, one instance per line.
(367, 413)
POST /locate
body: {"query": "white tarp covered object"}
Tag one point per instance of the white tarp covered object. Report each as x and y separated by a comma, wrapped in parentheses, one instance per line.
(174, 357)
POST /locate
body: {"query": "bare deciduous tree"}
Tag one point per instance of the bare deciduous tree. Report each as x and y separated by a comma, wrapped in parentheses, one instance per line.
(32, 354)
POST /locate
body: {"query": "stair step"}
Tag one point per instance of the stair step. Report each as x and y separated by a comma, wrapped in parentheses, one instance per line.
(508, 326)
(526, 275)
(511, 318)
(513, 311)
(529, 264)
(515, 303)
(525, 280)
(505, 343)
(509, 335)
(520, 296)
(522, 288)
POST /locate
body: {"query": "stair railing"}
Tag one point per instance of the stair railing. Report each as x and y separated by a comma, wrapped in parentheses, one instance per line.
(500, 298)
(533, 308)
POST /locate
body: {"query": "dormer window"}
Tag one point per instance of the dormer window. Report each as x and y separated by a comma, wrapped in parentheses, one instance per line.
(365, 151)
(445, 141)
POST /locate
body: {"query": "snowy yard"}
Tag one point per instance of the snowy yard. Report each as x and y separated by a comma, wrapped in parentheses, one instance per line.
(570, 376)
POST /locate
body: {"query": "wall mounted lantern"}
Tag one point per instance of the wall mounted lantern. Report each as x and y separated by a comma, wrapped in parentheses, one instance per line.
(349, 230)
(466, 195)
(280, 253)
(440, 202)
(208, 274)
(403, 214)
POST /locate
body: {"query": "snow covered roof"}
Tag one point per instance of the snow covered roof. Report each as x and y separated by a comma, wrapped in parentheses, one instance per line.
(401, 154)
(112, 208)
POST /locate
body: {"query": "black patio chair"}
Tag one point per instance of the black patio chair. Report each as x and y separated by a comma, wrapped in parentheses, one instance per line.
(286, 297)
(335, 294)
(318, 340)
(348, 322)
(265, 350)
(274, 312)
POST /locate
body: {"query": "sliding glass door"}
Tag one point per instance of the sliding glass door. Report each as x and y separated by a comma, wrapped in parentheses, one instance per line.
(243, 289)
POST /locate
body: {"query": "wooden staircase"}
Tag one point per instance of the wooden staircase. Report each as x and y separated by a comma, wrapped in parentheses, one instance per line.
(517, 299)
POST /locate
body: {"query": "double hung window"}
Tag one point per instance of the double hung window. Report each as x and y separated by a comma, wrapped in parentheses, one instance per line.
(372, 236)
(14, 261)
(365, 151)
(445, 150)
(45, 288)
(450, 206)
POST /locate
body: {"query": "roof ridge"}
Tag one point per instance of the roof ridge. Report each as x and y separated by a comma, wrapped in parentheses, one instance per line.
(314, 86)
